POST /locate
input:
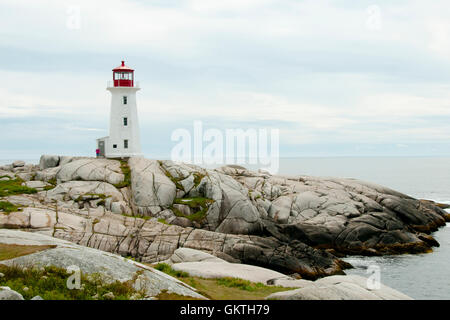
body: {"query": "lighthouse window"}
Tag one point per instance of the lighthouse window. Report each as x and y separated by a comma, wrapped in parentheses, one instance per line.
(125, 144)
(114, 146)
(124, 99)
(125, 121)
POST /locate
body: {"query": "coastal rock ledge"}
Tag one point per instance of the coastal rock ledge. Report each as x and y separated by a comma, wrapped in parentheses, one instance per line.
(147, 209)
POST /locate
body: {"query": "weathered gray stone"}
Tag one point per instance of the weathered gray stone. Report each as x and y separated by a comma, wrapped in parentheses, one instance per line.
(38, 185)
(26, 176)
(47, 174)
(18, 163)
(184, 209)
(120, 207)
(192, 255)
(182, 222)
(7, 294)
(91, 170)
(278, 220)
(152, 190)
(6, 175)
(6, 167)
(335, 288)
(84, 190)
(48, 161)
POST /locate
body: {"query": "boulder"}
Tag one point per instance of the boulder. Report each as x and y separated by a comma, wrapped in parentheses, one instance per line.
(84, 190)
(6, 175)
(7, 294)
(91, 170)
(6, 167)
(182, 222)
(18, 163)
(120, 207)
(48, 161)
(48, 174)
(26, 176)
(38, 185)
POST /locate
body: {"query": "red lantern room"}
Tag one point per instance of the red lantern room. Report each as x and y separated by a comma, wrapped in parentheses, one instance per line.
(123, 76)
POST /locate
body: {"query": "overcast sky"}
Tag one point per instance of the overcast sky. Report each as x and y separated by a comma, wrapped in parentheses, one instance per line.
(338, 78)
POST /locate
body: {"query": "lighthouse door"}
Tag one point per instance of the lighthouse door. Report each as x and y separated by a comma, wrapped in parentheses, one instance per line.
(101, 147)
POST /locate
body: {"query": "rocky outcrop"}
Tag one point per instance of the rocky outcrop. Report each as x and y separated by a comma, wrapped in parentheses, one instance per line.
(152, 241)
(91, 170)
(91, 261)
(346, 215)
(152, 190)
(148, 208)
(335, 288)
(201, 264)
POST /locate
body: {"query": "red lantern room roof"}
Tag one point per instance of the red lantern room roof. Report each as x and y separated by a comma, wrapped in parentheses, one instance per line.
(123, 67)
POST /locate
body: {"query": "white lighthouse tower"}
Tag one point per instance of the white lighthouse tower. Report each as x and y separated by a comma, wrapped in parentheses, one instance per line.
(123, 140)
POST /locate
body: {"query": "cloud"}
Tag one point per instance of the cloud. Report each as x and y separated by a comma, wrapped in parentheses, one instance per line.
(313, 69)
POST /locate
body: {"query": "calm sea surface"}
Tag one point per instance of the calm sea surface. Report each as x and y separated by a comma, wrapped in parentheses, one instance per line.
(424, 276)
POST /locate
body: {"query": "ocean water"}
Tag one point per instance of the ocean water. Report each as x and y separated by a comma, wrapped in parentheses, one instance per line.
(424, 276)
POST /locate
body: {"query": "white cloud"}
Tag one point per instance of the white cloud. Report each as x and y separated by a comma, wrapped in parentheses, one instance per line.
(311, 64)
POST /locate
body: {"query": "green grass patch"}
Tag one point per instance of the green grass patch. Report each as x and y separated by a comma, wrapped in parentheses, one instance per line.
(198, 176)
(7, 207)
(240, 284)
(161, 220)
(10, 251)
(127, 175)
(199, 216)
(175, 180)
(13, 187)
(222, 288)
(164, 267)
(198, 204)
(195, 202)
(164, 295)
(136, 216)
(51, 284)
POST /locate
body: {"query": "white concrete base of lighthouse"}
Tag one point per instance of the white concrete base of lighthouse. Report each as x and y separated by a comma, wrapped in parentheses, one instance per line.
(124, 139)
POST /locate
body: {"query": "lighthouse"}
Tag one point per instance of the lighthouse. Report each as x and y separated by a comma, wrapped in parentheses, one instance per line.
(123, 140)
